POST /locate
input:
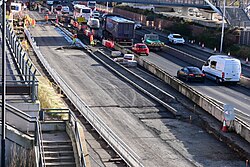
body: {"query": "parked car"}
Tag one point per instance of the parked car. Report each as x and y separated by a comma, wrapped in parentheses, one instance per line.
(222, 68)
(176, 39)
(191, 74)
(93, 23)
(140, 48)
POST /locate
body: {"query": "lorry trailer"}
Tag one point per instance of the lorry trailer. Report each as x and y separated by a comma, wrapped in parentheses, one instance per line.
(119, 29)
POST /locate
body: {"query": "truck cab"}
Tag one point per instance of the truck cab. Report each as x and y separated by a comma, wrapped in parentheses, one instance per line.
(152, 41)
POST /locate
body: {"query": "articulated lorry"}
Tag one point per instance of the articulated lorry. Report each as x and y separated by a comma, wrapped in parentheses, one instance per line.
(118, 29)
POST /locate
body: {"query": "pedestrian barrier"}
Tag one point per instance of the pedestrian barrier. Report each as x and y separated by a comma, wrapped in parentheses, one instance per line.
(27, 69)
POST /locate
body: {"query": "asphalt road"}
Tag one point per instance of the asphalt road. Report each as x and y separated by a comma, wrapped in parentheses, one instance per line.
(158, 140)
(237, 96)
(203, 55)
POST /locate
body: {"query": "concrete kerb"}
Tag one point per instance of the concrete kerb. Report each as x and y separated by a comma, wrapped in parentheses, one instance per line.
(171, 109)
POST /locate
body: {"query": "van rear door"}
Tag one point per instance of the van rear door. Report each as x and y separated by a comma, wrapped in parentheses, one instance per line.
(232, 70)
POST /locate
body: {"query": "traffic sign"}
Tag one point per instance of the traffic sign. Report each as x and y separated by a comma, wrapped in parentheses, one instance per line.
(81, 19)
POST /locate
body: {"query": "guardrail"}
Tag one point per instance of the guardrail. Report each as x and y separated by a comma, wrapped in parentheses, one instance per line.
(107, 134)
(75, 128)
(20, 119)
(38, 143)
(204, 102)
(23, 62)
(74, 124)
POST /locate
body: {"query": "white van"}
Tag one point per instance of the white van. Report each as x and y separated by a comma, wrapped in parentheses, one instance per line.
(222, 68)
(93, 23)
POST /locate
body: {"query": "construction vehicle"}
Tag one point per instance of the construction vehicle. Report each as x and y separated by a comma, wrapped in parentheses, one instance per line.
(152, 41)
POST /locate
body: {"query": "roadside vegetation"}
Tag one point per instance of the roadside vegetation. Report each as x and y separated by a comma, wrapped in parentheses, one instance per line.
(49, 98)
(211, 37)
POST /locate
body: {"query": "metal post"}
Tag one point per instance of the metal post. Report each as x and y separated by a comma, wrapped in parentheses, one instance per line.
(107, 7)
(36, 133)
(223, 25)
(33, 96)
(3, 82)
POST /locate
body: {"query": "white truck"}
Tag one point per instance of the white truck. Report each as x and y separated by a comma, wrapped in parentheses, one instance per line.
(222, 68)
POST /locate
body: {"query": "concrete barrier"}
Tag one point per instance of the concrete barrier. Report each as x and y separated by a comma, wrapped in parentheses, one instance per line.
(207, 104)
(245, 82)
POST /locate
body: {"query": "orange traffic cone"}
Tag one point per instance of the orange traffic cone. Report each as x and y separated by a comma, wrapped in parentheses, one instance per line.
(224, 127)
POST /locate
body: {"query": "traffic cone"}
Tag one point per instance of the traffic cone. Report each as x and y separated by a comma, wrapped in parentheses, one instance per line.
(215, 49)
(224, 127)
(203, 46)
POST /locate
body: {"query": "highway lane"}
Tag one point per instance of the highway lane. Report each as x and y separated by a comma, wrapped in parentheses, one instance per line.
(236, 95)
(199, 53)
(96, 86)
(117, 103)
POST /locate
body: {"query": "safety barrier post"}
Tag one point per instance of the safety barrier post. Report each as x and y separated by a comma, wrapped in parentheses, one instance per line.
(23, 63)
(26, 70)
(33, 92)
(30, 75)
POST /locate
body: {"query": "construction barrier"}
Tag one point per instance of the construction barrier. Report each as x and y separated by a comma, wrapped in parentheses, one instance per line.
(108, 44)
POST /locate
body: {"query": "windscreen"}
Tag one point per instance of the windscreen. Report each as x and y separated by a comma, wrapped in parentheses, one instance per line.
(194, 70)
(142, 46)
(86, 10)
(153, 37)
(91, 4)
(177, 36)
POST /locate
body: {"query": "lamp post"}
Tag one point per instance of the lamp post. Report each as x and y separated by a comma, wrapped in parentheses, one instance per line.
(223, 26)
(3, 81)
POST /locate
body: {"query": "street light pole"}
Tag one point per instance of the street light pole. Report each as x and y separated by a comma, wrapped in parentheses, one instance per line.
(3, 81)
(223, 25)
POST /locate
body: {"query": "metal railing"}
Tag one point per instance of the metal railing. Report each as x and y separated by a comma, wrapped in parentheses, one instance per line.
(60, 114)
(125, 152)
(25, 65)
(23, 62)
(21, 118)
(38, 142)
(75, 128)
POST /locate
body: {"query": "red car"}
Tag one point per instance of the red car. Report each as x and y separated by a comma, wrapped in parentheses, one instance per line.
(140, 48)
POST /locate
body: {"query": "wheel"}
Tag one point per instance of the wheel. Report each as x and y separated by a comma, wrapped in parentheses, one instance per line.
(178, 76)
(218, 81)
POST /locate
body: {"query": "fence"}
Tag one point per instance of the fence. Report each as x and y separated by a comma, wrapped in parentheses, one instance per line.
(24, 64)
